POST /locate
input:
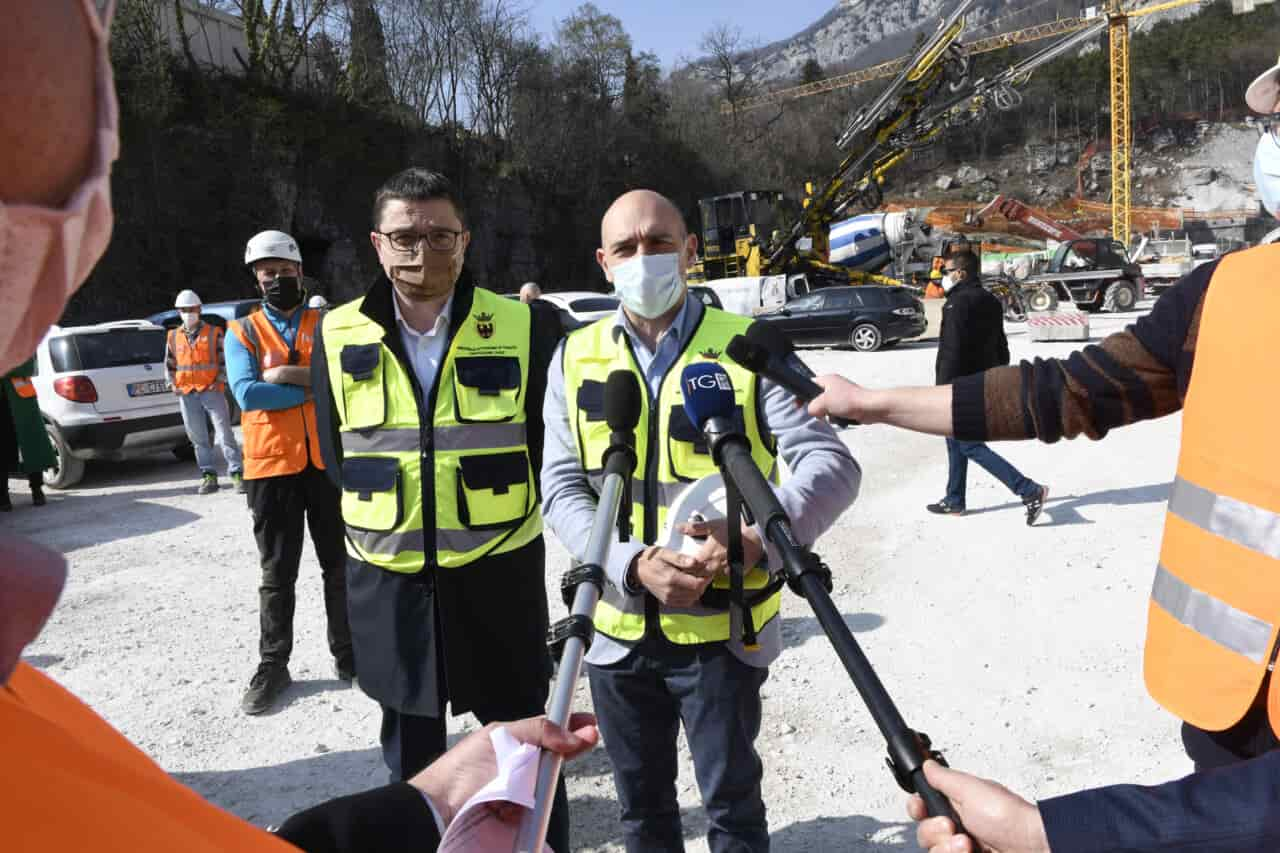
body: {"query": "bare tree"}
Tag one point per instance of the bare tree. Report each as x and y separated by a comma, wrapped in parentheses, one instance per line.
(730, 64)
(499, 47)
(597, 42)
(277, 33)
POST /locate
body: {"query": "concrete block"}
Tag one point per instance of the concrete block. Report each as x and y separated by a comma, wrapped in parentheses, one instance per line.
(1060, 325)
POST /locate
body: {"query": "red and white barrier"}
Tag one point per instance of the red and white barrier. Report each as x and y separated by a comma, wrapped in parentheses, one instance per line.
(1062, 325)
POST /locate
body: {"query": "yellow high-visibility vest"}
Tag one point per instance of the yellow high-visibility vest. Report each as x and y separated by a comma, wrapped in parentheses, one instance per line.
(670, 453)
(464, 447)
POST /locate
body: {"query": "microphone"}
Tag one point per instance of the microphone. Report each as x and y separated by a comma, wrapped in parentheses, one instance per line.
(582, 586)
(622, 404)
(710, 406)
(766, 351)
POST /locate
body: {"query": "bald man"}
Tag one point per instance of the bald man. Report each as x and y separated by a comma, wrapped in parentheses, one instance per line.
(529, 291)
(663, 653)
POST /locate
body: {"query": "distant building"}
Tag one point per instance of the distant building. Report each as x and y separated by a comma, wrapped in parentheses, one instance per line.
(214, 37)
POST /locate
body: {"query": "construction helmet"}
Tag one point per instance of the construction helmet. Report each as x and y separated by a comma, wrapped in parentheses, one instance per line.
(187, 299)
(271, 244)
(317, 301)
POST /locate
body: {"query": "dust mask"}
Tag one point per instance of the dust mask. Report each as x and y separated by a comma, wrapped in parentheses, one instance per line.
(947, 283)
(418, 282)
(649, 285)
(284, 293)
(190, 319)
(1266, 172)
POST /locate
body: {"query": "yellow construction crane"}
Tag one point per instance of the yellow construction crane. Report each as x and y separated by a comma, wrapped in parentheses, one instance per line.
(1121, 115)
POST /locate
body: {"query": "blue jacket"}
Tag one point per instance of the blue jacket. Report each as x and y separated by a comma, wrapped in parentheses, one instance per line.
(245, 375)
(1226, 810)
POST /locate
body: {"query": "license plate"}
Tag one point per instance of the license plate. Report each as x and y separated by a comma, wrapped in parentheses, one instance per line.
(144, 389)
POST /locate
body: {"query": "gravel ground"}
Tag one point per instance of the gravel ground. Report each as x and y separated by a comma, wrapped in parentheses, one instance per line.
(1018, 649)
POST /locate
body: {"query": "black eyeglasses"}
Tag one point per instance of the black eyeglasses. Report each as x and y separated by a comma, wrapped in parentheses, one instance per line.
(437, 239)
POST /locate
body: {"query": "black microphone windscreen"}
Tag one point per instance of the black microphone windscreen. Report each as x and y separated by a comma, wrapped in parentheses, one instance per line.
(763, 334)
(622, 401)
(750, 355)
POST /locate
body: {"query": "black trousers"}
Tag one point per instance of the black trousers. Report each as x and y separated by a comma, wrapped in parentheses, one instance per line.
(410, 743)
(279, 506)
(641, 702)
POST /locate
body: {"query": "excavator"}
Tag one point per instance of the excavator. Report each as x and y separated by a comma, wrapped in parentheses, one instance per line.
(762, 234)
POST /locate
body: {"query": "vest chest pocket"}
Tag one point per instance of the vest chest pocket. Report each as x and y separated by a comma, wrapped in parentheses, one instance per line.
(593, 431)
(494, 489)
(486, 388)
(371, 493)
(363, 397)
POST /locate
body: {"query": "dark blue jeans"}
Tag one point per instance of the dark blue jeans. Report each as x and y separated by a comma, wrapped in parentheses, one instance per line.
(641, 701)
(959, 453)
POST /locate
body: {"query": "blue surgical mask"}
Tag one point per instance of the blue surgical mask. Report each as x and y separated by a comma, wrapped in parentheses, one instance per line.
(1266, 172)
(649, 285)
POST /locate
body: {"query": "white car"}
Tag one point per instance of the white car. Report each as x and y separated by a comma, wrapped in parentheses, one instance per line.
(578, 308)
(103, 395)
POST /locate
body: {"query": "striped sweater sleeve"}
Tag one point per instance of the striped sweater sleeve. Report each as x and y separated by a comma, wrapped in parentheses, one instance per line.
(1134, 375)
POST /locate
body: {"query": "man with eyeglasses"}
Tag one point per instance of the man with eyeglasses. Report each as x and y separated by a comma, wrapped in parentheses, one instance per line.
(430, 403)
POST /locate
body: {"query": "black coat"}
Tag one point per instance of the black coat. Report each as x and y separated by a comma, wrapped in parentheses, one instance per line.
(473, 636)
(972, 337)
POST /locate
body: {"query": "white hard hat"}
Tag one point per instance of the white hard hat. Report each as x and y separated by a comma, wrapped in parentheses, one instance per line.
(187, 299)
(1263, 94)
(271, 244)
(317, 301)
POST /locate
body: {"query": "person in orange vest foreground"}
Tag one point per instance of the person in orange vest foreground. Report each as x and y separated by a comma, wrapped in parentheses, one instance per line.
(24, 444)
(70, 781)
(1214, 609)
(195, 365)
(269, 365)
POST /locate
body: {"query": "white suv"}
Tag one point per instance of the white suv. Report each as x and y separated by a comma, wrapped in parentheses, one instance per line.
(103, 395)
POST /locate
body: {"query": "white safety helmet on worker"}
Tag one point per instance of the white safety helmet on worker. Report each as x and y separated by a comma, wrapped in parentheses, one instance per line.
(271, 244)
(187, 299)
(317, 301)
(1263, 96)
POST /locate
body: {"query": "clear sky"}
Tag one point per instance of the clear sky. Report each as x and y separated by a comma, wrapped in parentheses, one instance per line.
(673, 28)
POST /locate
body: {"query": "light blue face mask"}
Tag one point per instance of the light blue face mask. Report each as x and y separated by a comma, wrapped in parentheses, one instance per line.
(1266, 172)
(649, 285)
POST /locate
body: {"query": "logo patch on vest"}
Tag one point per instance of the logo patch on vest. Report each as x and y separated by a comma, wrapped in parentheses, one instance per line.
(713, 354)
(484, 325)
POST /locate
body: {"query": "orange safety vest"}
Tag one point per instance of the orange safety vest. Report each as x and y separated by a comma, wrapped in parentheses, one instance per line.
(196, 363)
(22, 385)
(73, 783)
(282, 441)
(1215, 603)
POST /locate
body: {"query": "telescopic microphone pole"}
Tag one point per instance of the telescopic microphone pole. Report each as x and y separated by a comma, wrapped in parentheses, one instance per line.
(582, 586)
(709, 403)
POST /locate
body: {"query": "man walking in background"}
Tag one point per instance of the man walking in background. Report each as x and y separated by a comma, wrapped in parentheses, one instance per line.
(195, 365)
(269, 363)
(972, 340)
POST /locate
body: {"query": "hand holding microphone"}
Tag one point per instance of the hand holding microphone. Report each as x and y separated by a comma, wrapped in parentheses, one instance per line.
(766, 351)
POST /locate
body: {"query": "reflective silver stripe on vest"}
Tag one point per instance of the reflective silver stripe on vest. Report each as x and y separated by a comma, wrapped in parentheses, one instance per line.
(380, 440)
(1211, 617)
(461, 541)
(1234, 520)
(376, 542)
(667, 492)
(407, 439)
(193, 367)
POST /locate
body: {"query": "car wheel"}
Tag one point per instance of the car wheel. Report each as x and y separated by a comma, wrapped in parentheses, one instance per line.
(185, 452)
(1042, 299)
(67, 469)
(866, 338)
(1121, 296)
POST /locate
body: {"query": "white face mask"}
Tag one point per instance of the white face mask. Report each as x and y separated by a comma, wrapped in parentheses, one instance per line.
(1266, 172)
(649, 285)
(947, 283)
(190, 319)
